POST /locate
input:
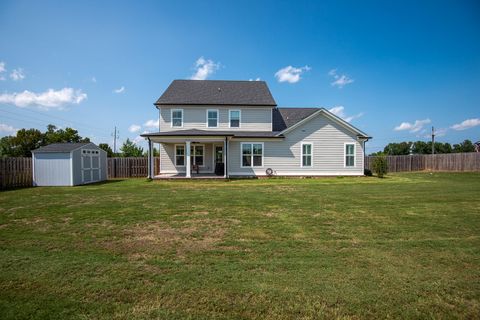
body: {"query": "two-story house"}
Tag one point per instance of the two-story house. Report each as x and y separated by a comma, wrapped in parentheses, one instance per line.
(234, 128)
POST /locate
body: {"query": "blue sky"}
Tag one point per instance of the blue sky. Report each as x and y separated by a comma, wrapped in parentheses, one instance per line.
(393, 69)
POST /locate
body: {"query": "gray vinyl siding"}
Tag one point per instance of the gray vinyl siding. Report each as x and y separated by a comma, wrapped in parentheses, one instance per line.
(251, 119)
(167, 159)
(52, 169)
(328, 139)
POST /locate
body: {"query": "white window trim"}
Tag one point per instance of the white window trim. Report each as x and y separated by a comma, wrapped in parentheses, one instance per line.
(345, 155)
(241, 155)
(193, 154)
(184, 154)
(239, 118)
(311, 154)
(171, 118)
(218, 117)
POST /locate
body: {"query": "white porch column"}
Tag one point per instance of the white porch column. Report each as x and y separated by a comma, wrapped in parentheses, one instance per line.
(225, 158)
(187, 163)
(150, 158)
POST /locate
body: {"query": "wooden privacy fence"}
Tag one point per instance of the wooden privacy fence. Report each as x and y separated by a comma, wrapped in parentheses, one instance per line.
(15, 172)
(438, 162)
(131, 167)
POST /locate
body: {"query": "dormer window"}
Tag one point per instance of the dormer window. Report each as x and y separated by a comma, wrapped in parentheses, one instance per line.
(177, 118)
(234, 116)
(212, 118)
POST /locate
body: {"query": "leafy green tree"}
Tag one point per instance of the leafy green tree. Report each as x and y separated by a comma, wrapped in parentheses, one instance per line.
(54, 135)
(26, 140)
(130, 149)
(396, 149)
(21, 144)
(106, 148)
(465, 146)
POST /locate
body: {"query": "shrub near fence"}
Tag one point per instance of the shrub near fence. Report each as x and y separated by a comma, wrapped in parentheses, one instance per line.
(438, 162)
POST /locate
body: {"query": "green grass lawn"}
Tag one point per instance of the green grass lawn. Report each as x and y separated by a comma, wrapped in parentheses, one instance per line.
(407, 246)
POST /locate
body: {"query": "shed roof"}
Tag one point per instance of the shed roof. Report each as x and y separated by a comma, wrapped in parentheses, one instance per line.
(217, 92)
(61, 147)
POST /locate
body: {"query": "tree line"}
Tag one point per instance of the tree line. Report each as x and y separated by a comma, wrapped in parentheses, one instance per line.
(422, 147)
(25, 140)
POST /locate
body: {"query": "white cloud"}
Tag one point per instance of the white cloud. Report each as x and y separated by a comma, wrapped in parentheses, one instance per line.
(412, 127)
(94, 80)
(17, 74)
(7, 129)
(45, 100)
(339, 111)
(339, 80)
(152, 124)
(120, 90)
(290, 74)
(204, 68)
(257, 79)
(2, 70)
(138, 140)
(467, 124)
(134, 128)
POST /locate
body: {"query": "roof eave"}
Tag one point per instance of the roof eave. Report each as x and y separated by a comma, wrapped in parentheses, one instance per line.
(157, 104)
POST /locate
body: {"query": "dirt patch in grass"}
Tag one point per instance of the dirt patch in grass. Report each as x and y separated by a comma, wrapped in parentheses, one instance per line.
(147, 240)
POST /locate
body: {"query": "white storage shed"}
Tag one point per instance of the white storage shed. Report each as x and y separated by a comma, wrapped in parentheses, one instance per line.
(68, 164)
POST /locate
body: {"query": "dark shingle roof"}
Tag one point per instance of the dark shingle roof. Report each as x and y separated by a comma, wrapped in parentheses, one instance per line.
(197, 132)
(61, 147)
(284, 118)
(217, 92)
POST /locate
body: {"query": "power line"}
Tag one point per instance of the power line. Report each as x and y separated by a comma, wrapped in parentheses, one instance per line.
(41, 123)
(51, 122)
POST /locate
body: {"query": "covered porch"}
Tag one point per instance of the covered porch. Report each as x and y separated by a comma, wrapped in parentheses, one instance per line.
(186, 157)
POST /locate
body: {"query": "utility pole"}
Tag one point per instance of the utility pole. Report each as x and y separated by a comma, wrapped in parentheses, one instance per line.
(115, 137)
(433, 140)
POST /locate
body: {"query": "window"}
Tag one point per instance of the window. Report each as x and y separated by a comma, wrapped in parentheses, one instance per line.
(252, 154)
(177, 118)
(179, 155)
(306, 154)
(212, 118)
(349, 155)
(197, 154)
(234, 118)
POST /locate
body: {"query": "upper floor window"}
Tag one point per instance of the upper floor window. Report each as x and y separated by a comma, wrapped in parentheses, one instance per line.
(306, 154)
(349, 154)
(234, 116)
(177, 118)
(212, 118)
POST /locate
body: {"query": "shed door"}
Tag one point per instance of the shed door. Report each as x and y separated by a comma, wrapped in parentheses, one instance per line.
(90, 166)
